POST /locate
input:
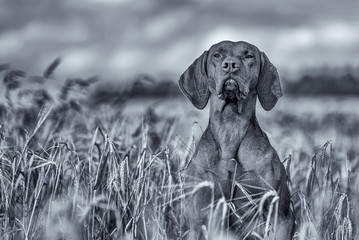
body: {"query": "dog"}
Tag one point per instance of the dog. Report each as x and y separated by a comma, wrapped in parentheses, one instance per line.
(233, 152)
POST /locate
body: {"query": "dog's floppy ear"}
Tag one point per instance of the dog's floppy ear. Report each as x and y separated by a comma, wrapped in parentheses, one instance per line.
(268, 86)
(194, 82)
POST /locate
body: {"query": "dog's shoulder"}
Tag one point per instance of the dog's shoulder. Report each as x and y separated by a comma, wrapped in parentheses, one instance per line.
(256, 146)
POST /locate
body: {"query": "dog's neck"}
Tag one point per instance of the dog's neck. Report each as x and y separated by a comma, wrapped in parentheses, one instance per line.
(229, 123)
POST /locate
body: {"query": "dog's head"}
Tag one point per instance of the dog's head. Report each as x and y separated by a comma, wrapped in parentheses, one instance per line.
(231, 71)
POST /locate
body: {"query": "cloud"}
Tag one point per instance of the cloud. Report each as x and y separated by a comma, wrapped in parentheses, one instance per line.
(339, 34)
(128, 38)
(127, 60)
(78, 60)
(110, 1)
(331, 43)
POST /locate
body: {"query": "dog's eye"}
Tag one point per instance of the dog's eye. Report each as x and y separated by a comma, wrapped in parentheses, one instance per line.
(217, 55)
(249, 56)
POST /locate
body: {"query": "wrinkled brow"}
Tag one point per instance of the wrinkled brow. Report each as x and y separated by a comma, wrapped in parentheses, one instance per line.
(220, 49)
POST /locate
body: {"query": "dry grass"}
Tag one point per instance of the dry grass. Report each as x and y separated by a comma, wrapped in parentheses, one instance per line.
(70, 172)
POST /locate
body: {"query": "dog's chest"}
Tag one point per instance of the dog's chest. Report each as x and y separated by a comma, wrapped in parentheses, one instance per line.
(229, 137)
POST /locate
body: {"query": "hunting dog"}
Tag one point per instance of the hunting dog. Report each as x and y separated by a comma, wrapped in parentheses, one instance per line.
(233, 152)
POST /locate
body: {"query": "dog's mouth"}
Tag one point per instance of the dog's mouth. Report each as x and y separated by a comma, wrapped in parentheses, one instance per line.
(231, 89)
(232, 93)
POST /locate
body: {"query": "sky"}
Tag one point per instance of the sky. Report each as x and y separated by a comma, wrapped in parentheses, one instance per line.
(121, 39)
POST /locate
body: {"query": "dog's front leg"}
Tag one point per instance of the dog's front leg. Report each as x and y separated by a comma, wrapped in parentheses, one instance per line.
(200, 180)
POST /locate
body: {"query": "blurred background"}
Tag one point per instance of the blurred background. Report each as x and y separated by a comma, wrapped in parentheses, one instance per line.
(139, 50)
(119, 39)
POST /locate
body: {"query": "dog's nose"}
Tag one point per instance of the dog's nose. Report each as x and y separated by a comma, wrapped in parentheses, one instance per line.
(230, 65)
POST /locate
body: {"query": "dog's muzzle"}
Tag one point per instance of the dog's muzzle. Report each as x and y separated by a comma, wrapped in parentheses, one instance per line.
(232, 90)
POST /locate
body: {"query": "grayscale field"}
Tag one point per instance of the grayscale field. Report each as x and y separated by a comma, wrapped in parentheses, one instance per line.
(93, 143)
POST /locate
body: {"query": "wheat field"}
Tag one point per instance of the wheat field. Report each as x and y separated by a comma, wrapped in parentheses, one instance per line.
(73, 168)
